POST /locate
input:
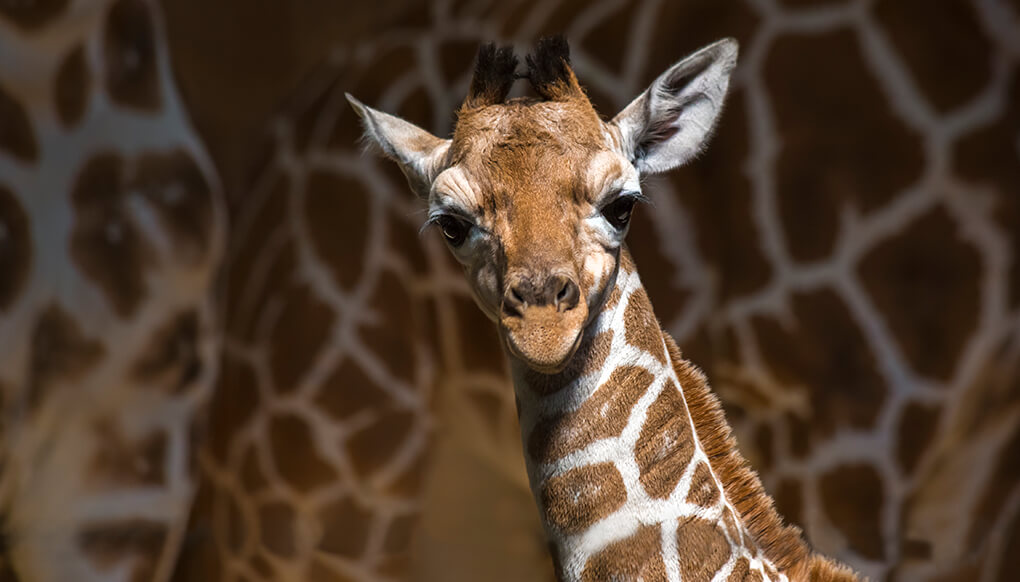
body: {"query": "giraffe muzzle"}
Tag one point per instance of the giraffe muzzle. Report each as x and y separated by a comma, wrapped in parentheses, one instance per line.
(542, 321)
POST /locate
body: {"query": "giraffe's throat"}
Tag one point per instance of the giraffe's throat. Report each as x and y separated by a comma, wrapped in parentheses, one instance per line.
(623, 484)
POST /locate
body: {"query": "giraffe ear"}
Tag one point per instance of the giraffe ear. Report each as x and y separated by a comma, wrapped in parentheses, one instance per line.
(420, 155)
(672, 120)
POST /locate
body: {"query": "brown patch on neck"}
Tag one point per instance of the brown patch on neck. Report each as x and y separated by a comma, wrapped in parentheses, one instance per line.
(703, 490)
(16, 136)
(602, 415)
(15, 248)
(638, 557)
(577, 499)
(781, 544)
(640, 326)
(72, 88)
(703, 549)
(665, 446)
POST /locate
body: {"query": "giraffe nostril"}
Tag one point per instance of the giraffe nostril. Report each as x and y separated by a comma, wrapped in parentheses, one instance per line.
(567, 296)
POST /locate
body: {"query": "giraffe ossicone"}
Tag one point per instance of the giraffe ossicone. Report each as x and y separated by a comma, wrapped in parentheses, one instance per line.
(629, 456)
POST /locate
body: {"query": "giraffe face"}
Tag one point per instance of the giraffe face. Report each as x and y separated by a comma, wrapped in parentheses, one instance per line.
(534, 196)
(535, 204)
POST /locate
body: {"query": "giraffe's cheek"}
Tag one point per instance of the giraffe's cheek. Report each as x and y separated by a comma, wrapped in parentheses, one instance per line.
(543, 338)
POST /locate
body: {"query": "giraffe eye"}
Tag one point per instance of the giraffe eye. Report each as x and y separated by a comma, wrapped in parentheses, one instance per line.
(455, 230)
(618, 211)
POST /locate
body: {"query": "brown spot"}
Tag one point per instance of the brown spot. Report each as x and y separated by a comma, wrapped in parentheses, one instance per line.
(171, 359)
(641, 329)
(591, 355)
(16, 135)
(800, 434)
(829, 109)
(32, 15)
(741, 571)
(301, 330)
(129, 53)
(175, 186)
(853, 498)
(489, 409)
(15, 248)
(123, 462)
(72, 88)
(703, 549)
(789, 500)
(580, 497)
(832, 362)
(60, 352)
(336, 204)
(704, 491)
(638, 557)
(455, 59)
(276, 527)
(374, 446)
(105, 242)
(253, 477)
(237, 527)
(666, 444)
(917, 426)
(392, 339)
(603, 415)
(398, 538)
(296, 455)
(943, 45)
(114, 545)
(925, 284)
(409, 483)
(345, 528)
(234, 403)
(349, 391)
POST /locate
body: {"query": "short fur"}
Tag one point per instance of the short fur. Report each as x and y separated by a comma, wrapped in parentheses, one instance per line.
(781, 543)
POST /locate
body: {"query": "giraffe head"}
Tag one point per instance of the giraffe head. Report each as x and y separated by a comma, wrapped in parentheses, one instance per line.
(534, 195)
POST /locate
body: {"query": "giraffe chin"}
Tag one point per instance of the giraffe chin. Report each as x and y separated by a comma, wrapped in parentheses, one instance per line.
(544, 338)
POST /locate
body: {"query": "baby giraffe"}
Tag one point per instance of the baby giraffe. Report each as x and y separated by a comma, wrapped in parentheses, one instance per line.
(628, 453)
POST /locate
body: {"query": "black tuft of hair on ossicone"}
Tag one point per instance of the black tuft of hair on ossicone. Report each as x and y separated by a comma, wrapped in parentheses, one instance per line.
(549, 67)
(495, 72)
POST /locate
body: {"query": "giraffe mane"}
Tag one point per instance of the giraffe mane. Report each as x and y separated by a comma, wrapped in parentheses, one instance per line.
(782, 543)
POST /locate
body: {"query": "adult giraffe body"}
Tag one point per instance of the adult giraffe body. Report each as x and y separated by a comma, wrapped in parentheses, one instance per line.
(112, 226)
(628, 453)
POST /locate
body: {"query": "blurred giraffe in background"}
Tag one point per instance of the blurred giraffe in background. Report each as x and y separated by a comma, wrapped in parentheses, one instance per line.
(843, 262)
(112, 225)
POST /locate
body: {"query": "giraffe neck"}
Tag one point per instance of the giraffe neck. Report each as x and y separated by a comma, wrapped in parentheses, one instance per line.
(631, 463)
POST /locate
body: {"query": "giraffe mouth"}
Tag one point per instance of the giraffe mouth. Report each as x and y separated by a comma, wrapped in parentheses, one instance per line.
(543, 338)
